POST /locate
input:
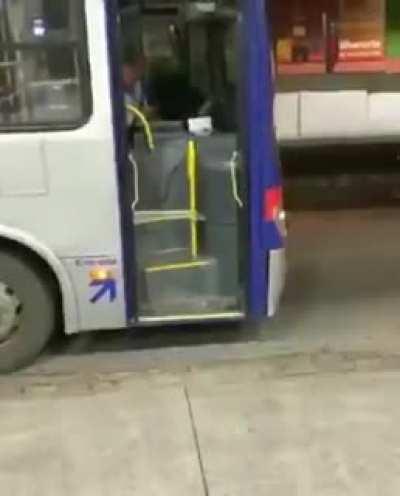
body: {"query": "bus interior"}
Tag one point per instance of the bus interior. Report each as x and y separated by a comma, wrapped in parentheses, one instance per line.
(189, 190)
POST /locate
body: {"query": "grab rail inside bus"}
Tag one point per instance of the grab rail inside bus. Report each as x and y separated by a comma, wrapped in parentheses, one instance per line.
(145, 123)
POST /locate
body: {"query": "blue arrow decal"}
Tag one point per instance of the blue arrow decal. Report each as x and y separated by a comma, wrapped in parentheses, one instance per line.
(106, 286)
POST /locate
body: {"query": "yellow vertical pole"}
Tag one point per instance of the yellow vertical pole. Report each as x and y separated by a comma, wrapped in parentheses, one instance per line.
(191, 163)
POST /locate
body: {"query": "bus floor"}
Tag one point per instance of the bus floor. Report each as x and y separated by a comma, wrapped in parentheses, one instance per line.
(342, 295)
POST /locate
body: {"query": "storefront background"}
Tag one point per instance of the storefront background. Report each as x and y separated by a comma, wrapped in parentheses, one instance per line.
(338, 66)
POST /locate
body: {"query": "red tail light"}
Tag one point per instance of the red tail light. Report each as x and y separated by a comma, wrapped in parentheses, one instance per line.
(273, 203)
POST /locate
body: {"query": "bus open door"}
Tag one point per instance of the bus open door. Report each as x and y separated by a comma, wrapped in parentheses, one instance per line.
(208, 195)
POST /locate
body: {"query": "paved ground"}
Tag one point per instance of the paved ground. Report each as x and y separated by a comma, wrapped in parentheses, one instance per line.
(306, 425)
(305, 405)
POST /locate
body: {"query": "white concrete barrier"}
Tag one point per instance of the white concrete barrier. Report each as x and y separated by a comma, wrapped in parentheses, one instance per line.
(287, 116)
(340, 114)
(384, 114)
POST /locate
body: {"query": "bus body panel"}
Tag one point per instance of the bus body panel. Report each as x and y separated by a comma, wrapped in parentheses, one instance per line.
(70, 199)
(277, 268)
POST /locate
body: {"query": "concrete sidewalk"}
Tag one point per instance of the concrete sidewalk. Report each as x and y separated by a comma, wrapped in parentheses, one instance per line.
(323, 424)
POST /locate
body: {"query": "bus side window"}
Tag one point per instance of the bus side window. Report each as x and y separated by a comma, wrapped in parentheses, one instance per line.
(43, 65)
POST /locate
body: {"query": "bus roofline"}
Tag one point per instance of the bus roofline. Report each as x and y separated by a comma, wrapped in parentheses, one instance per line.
(69, 307)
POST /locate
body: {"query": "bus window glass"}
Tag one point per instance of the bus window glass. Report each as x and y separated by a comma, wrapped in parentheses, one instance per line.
(179, 65)
(43, 67)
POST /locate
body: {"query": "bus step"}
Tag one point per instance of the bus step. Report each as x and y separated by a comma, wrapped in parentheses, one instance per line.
(164, 257)
(186, 286)
(162, 241)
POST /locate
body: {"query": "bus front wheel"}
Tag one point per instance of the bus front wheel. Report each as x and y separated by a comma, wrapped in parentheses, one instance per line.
(27, 310)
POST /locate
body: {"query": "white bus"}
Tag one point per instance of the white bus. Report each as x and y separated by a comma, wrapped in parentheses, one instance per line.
(176, 219)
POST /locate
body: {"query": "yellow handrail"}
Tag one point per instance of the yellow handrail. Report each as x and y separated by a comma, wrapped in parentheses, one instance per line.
(191, 164)
(146, 125)
(195, 264)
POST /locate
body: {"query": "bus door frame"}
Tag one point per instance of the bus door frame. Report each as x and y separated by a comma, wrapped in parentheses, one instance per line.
(124, 169)
(260, 153)
(261, 156)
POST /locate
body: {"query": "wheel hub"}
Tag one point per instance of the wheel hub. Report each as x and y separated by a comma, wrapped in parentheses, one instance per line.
(10, 309)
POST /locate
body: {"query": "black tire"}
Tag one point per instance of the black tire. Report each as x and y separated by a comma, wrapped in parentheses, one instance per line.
(36, 313)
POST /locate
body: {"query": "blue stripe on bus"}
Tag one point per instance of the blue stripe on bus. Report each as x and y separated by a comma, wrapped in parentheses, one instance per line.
(261, 149)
